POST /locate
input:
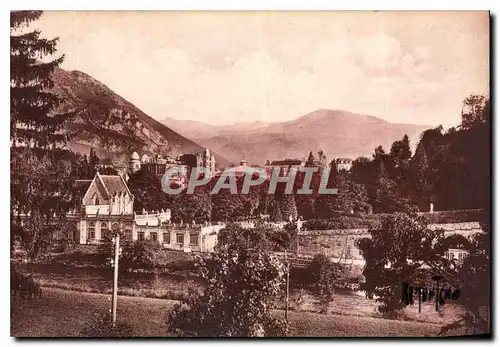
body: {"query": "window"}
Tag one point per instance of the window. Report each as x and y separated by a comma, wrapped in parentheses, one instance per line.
(140, 235)
(461, 257)
(115, 228)
(104, 229)
(193, 239)
(128, 234)
(166, 237)
(180, 239)
(153, 236)
(91, 231)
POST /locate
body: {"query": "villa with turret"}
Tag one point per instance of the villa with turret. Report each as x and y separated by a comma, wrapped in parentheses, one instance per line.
(108, 207)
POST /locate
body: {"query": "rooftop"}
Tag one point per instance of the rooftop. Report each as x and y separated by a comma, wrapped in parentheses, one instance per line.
(287, 162)
(114, 185)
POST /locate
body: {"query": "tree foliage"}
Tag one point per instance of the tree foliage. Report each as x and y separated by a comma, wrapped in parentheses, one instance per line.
(41, 195)
(242, 280)
(33, 117)
(397, 251)
(140, 254)
(327, 276)
(148, 193)
(475, 110)
(42, 176)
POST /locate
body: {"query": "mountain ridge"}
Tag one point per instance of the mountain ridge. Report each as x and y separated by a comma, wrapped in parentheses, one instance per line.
(338, 133)
(112, 125)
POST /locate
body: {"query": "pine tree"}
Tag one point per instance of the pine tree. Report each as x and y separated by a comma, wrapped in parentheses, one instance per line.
(288, 207)
(277, 216)
(419, 169)
(310, 159)
(379, 152)
(33, 106)
(42, 176)
(419, 162)
(401, 152)
(93, 162)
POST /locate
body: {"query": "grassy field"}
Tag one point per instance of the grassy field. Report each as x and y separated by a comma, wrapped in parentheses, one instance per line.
(63, 313)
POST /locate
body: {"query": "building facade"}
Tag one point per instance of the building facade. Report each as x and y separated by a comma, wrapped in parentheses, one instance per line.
(107, 207)
(158, 165)
(343, 164)
(284, 165)
(206, 160)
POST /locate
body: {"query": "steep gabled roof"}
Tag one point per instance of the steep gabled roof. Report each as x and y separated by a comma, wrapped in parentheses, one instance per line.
(114, 185)
(108, 185)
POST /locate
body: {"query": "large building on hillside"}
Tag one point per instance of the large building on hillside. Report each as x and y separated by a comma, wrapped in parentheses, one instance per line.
(108, 206)
(343, 164)
(244, 169)
(158, 166)
(206, 160)
(284, 165)
(183, 165)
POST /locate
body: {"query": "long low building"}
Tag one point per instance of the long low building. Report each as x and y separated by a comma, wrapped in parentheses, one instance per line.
(108, 206)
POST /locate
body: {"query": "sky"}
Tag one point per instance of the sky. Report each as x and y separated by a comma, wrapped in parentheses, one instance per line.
(231, 67)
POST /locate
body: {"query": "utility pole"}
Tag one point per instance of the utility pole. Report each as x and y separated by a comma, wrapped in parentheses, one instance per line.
(420, 299)
(115, 276)
(287, 291)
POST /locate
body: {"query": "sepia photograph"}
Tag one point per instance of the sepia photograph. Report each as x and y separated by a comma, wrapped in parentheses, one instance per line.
(255, 174)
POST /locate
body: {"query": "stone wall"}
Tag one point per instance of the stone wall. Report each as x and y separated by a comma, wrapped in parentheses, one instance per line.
(335, 243)
(341, 243)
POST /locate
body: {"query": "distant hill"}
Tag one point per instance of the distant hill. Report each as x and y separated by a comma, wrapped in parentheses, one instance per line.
(112, 125)
(338, 133)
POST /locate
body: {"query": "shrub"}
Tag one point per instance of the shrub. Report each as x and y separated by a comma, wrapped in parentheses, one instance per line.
(142, 254)
(101, 325)
(298, 301)
(106, 250)
(24, 286)
(327, 276)
(61, 245)
(135, 255)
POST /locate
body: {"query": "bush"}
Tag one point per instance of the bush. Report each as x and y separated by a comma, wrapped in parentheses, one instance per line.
(327, 277)
(101, 325)
(24, 286)
(61, 245)
(135, 255)
(142, 254)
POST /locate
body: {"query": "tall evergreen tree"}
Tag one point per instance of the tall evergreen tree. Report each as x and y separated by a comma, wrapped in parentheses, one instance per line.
(379, 151)
(41, 174)
(277, 216)
(401, 153)
(33, 117)
(310, 159)
(288, 207)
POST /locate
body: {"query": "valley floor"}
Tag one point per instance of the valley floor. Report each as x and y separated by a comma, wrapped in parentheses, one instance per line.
(62, 313)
